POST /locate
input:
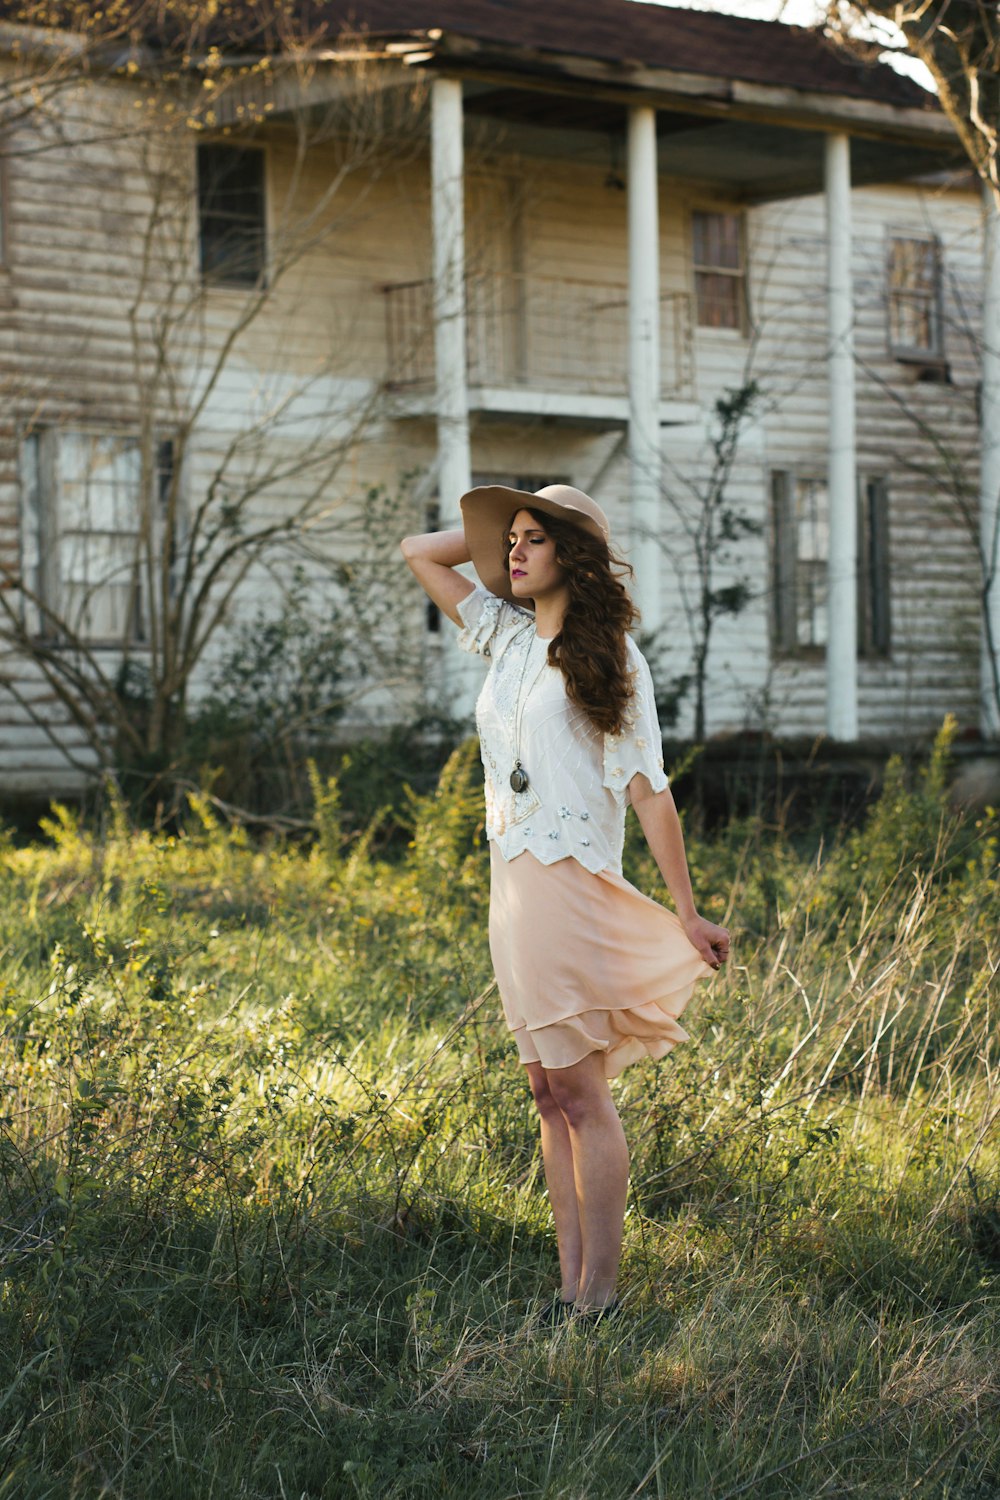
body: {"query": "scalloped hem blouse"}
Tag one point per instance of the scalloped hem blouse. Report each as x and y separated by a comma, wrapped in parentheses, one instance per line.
(577, 794)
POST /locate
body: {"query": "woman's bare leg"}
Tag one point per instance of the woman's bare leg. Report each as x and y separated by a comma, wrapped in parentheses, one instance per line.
(600, 1172)
(560, 1177)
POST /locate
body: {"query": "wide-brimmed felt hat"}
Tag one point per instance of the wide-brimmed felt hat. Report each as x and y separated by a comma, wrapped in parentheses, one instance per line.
(488, 509)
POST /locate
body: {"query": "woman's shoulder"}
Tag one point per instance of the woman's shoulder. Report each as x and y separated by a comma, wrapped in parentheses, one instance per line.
(636, 664)
(486, 618)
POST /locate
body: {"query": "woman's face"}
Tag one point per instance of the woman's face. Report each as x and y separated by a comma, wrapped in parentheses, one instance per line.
(534, 572)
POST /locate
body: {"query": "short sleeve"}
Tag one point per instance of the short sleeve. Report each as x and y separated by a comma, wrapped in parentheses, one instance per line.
(640, 745)
(485, 616)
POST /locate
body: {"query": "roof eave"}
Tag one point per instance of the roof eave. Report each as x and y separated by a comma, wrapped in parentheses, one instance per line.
(712, 95)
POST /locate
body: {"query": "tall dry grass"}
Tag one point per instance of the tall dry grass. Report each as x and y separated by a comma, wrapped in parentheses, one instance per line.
(273, 1217)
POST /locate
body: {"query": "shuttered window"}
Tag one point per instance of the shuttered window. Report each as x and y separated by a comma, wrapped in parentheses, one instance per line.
(800, 549)
(231, 214)
(874, 614)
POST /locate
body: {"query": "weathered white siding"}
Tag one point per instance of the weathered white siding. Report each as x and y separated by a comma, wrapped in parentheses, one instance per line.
(904, 428)
(86, 283)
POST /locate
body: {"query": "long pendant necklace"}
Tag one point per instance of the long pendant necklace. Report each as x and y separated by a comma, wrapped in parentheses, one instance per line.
(519, 776)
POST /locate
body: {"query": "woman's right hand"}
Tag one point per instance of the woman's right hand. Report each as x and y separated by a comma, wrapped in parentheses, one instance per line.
(711, 941)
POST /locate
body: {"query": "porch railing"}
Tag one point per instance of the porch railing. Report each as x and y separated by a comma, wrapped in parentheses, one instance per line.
(539, 332)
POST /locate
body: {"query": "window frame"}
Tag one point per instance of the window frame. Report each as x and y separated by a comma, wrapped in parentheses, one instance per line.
(932, 298)
(213, 277)
(738, 274)
(43, 532)
(874, 573)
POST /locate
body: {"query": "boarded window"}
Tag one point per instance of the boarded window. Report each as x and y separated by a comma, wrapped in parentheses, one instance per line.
(231, 214)
(914, 297)
(83, 543)
(719, 270)
(800, 550)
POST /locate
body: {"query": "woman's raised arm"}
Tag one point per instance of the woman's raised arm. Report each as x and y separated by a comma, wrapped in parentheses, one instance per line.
(433, 560)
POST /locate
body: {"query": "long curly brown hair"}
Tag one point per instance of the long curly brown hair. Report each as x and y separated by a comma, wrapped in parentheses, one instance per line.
(590, 648)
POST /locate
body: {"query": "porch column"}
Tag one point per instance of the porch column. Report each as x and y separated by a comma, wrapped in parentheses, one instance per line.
(842, 584)
(454, 465)
(447, 208)
(645, 463)
(989, 470)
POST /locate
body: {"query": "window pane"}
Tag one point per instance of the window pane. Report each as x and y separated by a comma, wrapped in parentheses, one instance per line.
(99, 614)
(719, 300)
(717, 241)
(800, 549)
(231, 213)
(98, 527)
(914, 295)
(717, 250)
(812, 527)
(99, 483)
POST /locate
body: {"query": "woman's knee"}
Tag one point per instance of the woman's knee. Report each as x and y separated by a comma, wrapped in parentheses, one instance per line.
(538, 1082)
(580, 1092)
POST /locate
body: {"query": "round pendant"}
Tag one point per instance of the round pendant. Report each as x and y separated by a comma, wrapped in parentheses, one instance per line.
(519, 779)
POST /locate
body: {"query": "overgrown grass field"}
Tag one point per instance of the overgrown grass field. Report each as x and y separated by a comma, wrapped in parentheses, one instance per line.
(272, 1213)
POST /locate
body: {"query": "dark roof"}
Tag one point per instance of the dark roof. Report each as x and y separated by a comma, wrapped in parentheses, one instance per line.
(655, 36)
(622, 34)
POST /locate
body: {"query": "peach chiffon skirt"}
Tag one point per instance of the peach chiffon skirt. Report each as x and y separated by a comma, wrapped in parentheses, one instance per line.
(586, 963)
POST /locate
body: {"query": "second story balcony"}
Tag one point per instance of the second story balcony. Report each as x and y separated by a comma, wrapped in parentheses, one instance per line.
(536, 345)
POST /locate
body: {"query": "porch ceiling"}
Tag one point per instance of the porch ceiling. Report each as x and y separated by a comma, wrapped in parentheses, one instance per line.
(748, 160)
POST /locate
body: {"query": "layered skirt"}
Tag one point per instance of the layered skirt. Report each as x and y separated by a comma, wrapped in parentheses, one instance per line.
(586, 963)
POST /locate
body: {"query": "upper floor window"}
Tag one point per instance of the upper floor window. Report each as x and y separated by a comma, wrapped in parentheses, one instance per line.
(800, 553)
(719, 269)
(914, 297)
(85, 535)
(231, 214)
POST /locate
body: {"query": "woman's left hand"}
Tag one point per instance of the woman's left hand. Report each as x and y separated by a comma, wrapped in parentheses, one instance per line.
(712, 942)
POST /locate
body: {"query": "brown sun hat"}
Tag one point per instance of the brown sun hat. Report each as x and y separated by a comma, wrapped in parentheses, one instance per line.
(488, 509)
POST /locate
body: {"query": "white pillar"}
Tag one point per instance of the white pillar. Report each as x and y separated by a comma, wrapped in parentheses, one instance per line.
(989, 472)
(448, 217)
(645, 463)
(842, 583)
(454, 464)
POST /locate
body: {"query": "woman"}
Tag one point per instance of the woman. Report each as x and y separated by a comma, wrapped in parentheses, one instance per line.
(591, 973)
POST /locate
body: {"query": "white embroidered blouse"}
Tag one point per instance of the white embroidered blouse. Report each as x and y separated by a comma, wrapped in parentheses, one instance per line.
(574, 804)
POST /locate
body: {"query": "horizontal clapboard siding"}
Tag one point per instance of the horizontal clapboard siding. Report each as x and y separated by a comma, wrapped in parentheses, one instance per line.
(76, 321)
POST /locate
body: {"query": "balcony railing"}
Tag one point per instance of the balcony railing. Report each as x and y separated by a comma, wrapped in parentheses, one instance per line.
(539, 332)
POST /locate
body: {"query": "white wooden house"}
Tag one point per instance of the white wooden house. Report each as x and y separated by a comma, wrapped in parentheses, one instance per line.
(465, 241)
